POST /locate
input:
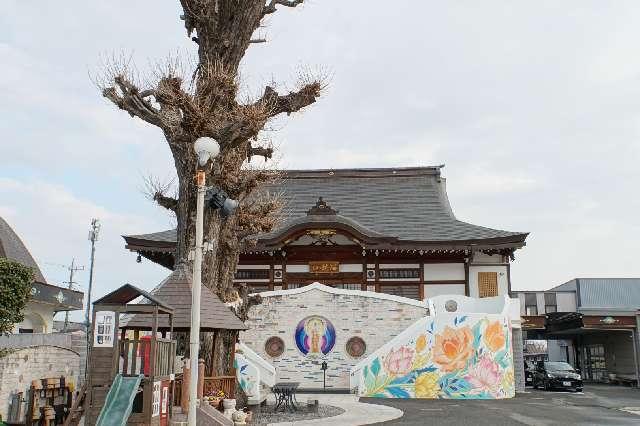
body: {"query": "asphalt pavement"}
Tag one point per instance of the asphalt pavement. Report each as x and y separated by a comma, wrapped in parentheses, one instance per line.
(598, 405)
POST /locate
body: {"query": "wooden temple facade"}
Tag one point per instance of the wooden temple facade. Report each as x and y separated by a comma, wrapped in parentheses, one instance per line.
(385, 230)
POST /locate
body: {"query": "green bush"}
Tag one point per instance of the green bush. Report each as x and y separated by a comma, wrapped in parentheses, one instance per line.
(15, 290)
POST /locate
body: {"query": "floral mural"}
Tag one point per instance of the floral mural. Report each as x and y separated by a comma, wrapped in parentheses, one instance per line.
(463, 357)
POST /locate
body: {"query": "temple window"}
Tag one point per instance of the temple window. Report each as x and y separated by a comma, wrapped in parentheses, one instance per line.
(406, 290)
(487, 284)
(550, 303)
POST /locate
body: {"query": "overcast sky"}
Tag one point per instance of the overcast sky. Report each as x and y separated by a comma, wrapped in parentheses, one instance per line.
(534, 107)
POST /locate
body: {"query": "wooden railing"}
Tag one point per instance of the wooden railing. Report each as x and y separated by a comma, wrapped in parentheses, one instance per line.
(136, 357)
(165, 357)
(227, 384)
(211, 384)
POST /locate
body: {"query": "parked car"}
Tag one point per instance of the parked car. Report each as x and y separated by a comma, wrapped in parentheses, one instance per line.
(529, 368)
(556, 375)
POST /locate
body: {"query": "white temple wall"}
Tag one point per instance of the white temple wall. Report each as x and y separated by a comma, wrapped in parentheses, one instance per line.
(443, 271)
(501, 270)
(432, 290)
(373, 317)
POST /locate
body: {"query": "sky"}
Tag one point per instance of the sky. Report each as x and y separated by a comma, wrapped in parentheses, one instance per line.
(534, 107)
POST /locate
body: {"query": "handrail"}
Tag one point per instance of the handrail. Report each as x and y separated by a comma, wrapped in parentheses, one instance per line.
(267, 371)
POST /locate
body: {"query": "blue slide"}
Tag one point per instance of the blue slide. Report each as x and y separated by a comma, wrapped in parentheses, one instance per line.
(117, 406)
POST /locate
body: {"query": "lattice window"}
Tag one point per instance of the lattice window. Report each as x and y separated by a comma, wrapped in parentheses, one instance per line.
(252, 274)
(406, 290)
(488, 284)
(348, 286)
(399, 273)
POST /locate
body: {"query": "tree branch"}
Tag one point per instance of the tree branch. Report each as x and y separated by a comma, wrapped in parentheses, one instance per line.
(130, 99)
(259, 151)
(168, 203)
(271, 7)
(292, 102)
(258, 40)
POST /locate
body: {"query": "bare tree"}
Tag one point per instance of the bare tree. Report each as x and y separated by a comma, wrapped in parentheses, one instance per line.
(209, 106)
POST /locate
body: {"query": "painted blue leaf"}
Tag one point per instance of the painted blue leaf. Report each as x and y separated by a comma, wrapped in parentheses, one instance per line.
(426, 370)
(404, 379)
(244, 367)
(398, 392)
(375, 366)
(462, 319)
(379, 395)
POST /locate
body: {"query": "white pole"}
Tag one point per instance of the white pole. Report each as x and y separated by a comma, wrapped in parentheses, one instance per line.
(194, 341)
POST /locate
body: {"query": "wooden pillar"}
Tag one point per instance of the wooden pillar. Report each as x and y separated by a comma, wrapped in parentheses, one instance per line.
(200, 378)
(186, 379)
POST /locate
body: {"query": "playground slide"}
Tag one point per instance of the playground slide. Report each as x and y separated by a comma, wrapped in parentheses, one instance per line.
(117, 406)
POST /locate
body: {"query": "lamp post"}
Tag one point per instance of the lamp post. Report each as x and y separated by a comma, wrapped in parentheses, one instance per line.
(206, 149)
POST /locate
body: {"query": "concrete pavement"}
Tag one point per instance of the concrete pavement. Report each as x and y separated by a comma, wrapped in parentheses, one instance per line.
(355, 412)
(597, 405)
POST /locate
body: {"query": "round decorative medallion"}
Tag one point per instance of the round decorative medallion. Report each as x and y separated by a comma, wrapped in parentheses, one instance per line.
(315, 335)
(451, 306)
(274, 346)
(356, 347)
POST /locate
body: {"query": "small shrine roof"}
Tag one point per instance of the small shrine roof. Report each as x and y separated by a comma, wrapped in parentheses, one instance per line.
(176, 290)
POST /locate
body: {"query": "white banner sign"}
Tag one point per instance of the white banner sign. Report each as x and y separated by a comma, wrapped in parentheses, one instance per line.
(104, 329)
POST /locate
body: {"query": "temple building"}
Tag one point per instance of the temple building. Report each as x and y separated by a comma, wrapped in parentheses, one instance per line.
(388, 230)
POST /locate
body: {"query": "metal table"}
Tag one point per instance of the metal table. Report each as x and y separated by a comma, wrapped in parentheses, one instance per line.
(285, 393)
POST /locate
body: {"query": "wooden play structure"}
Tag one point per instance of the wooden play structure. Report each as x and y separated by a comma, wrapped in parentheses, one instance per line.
(124, 366)
(214, 316)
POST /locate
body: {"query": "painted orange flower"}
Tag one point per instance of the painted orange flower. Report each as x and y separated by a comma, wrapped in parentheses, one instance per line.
(452, 348)
(494, 336)
(421, 343)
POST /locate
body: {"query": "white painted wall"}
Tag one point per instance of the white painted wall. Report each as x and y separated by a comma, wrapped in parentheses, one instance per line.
(443, 271)
(351, 267)
(432, 290)
(38, 317)
(503, 283)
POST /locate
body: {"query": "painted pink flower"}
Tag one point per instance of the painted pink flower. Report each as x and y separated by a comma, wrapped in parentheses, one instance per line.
(399, 362)
(484, 375)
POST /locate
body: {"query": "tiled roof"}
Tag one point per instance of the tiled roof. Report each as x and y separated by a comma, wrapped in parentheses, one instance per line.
(175, 290)
(12, 247)
(409, 204)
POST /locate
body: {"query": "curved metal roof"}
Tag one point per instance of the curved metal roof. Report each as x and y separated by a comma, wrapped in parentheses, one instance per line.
(12, 247)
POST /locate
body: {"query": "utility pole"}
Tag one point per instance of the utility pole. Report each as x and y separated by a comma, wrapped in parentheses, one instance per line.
(93, 237)
(72, 269)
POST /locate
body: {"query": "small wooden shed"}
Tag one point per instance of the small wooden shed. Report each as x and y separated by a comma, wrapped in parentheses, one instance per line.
(112, 353)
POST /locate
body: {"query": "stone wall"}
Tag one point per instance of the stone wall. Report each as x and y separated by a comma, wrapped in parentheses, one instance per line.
(518, 359)
(374, 317)
(20, 367)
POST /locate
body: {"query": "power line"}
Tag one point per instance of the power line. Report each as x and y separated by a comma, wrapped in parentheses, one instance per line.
(72, 268)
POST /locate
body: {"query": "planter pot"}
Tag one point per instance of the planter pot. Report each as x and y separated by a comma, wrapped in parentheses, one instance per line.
(229, 407)
(215, 402)
(239, 417)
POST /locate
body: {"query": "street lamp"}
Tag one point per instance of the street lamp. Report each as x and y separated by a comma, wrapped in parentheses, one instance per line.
(206, 149)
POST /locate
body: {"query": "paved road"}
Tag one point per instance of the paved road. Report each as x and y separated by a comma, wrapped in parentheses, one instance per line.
(598, 405)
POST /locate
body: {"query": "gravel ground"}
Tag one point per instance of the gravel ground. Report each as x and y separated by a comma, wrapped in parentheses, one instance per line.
(267, 416)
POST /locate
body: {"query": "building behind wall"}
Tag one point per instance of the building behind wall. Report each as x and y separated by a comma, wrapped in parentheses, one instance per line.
(388, 231)
(591, 323)
(46, 299)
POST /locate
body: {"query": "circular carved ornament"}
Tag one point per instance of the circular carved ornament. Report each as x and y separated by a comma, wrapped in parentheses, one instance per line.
(274, 346)
(451, 306)
(356, 347)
